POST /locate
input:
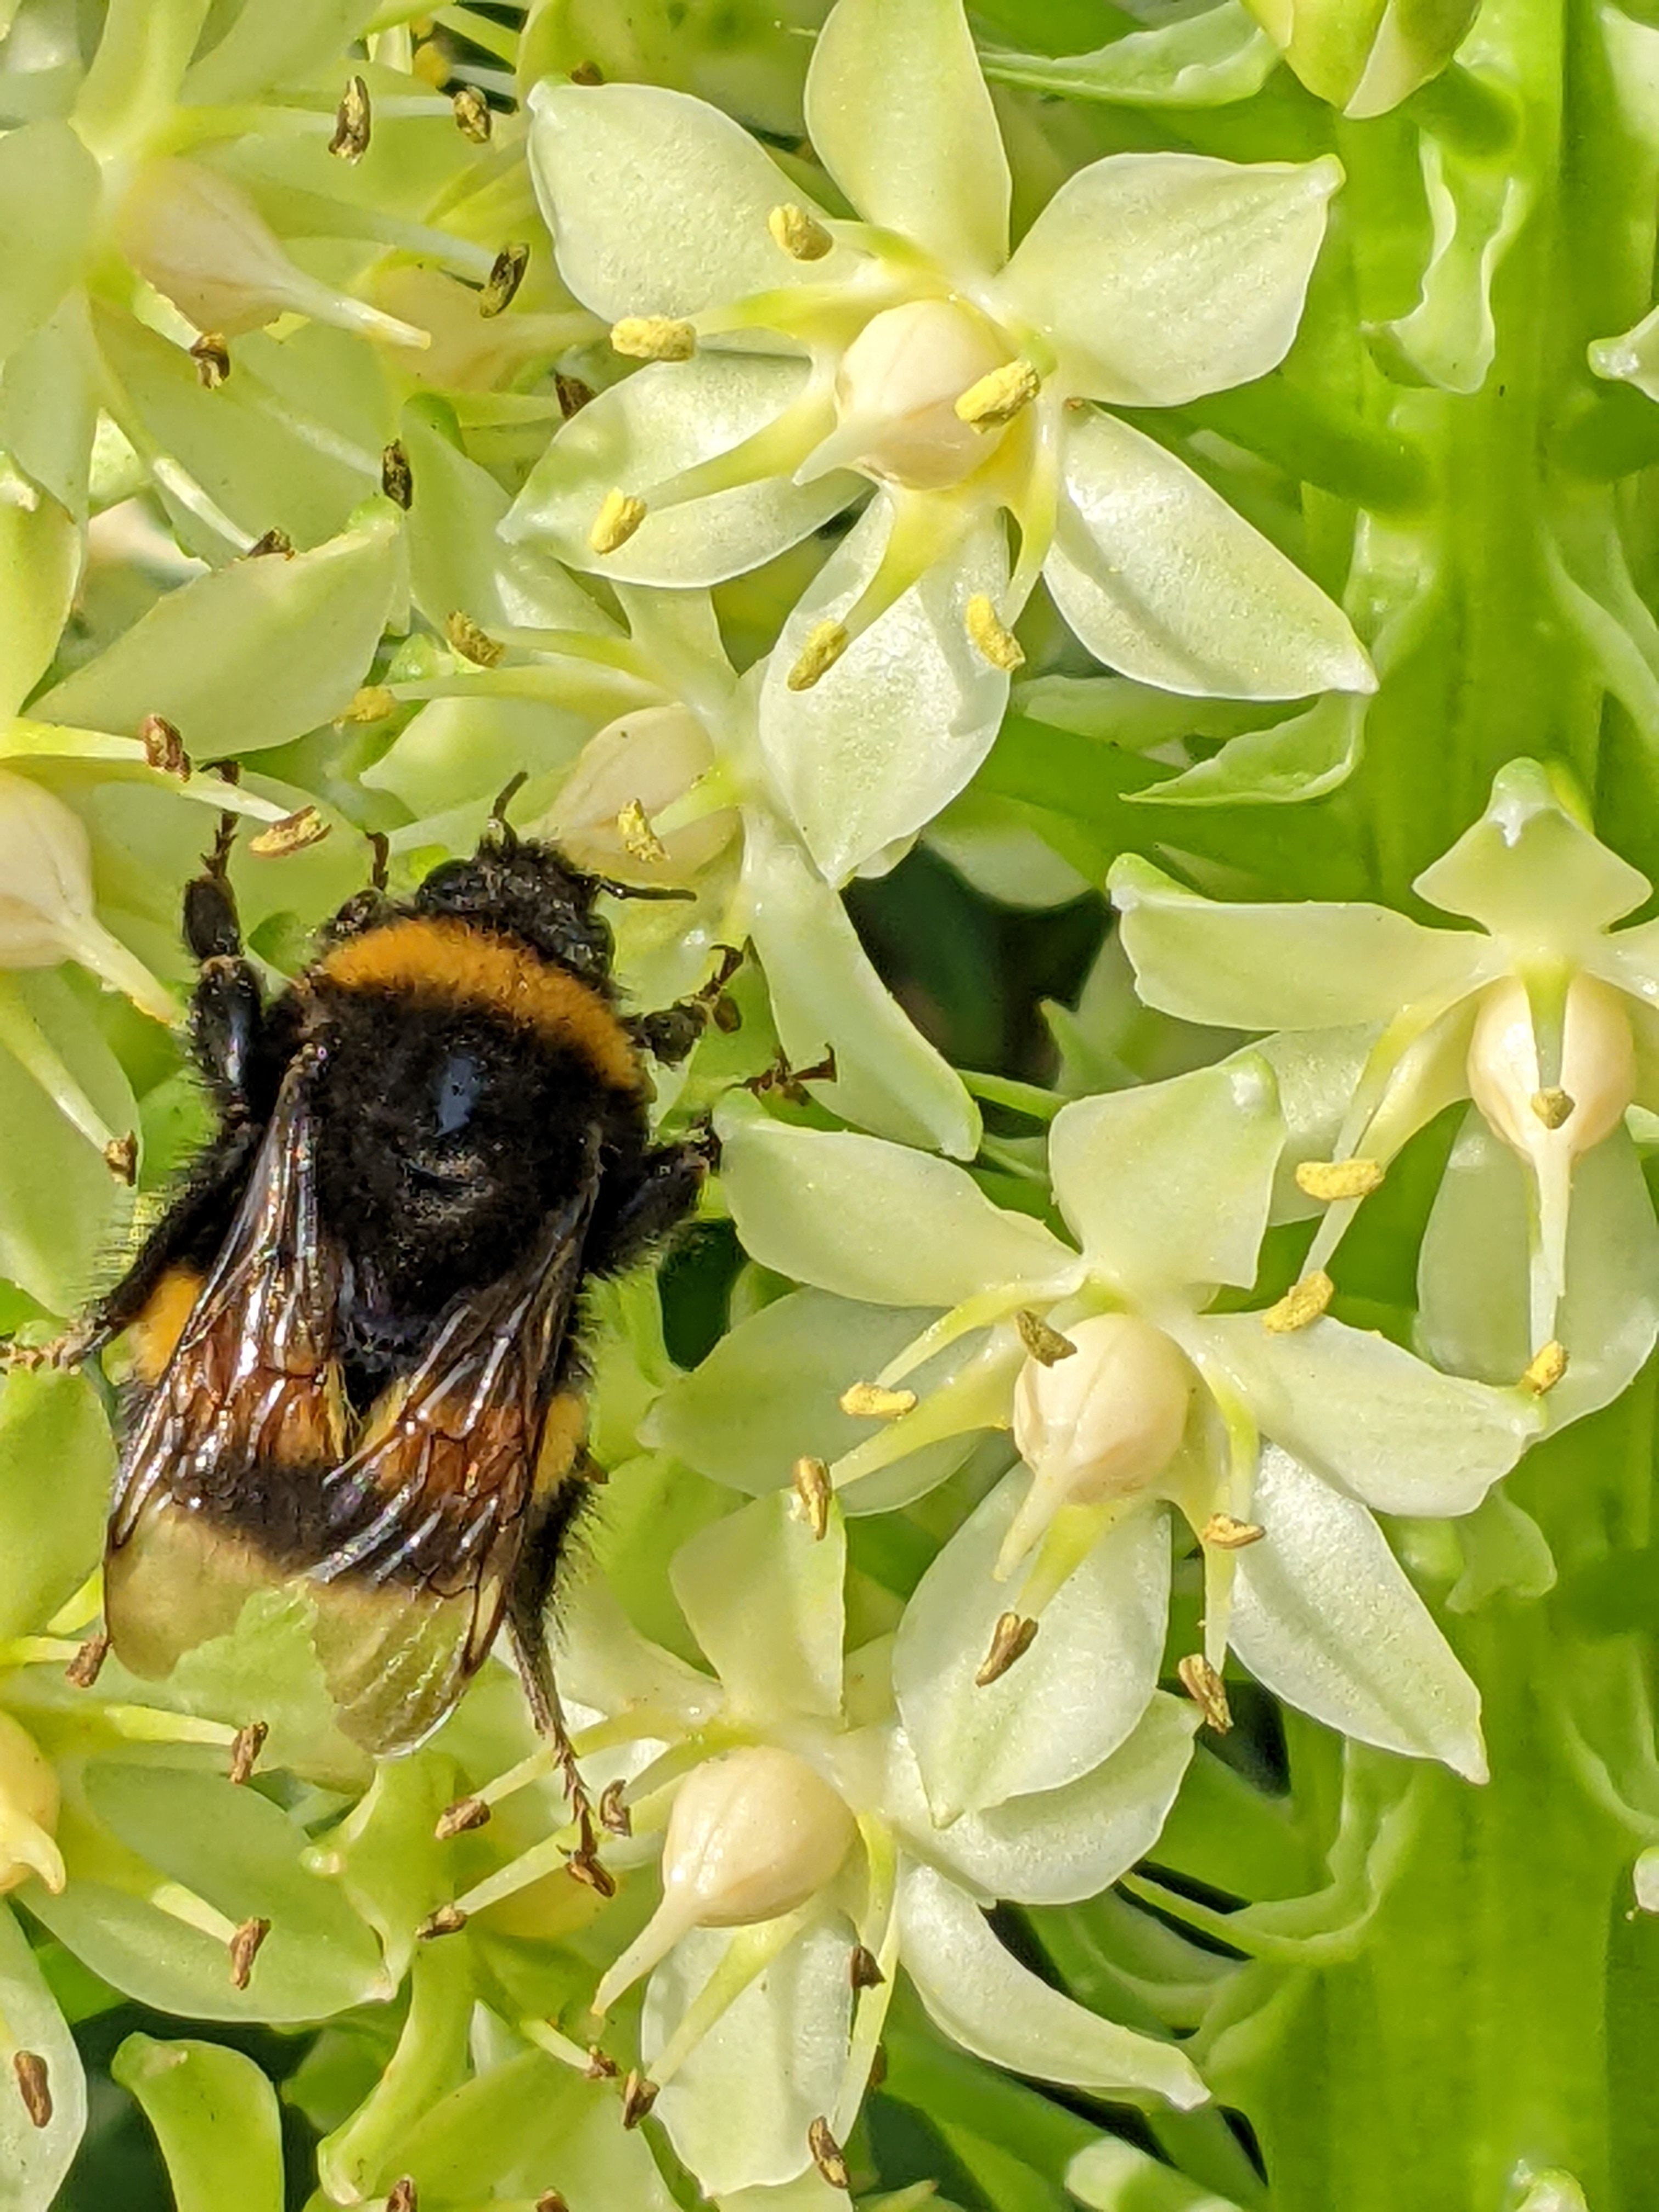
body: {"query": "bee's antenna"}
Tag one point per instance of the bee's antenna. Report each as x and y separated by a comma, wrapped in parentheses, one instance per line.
(500, 828)
(613, 890)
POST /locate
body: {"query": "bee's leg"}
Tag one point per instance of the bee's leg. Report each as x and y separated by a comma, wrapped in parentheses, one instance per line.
(227, 1010)
(662, 1192)
(671, 1034)
(528, 1627)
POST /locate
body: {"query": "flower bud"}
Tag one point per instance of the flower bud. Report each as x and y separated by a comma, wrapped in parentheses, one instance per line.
(1103, 1424)
(28, 1811)
(199, 240)
(45, 895)
(647, 759)
(752, 1835)
(1597, 1079)
(896, 391)
(1365, 56)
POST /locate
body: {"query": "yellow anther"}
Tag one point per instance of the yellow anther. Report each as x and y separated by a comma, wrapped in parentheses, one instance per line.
(802, 236)
(352, 122)
(1045, 1345)
(868, 1402)
(997, 643)
(371, 704)
(1302, 1303)
(1337, 1179)
(826, 642)
(291, 834)
(1011, 1639)
(810, 1481)
(1547, 1368)
(638, 837)
(619, 516)
(1223, 1533)
(653, 338)
(997, 398)
(472, 118)
(471, 642)
(1207, 1690)
(1553, 1107)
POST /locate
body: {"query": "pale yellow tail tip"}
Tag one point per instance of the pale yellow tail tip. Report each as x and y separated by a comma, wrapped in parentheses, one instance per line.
(1302, 1303)
(993, 642)
(1547, 1368)
(1207, 1690)
(1333, 1179)
(618, 518)
(997, 398)
(653, 338)
(825, 647)
(801, 236)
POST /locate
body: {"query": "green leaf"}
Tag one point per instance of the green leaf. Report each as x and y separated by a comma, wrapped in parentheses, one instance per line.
(33, 2160)
(216, 2117)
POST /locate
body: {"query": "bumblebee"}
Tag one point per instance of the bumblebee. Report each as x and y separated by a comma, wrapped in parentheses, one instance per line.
(353, 1333)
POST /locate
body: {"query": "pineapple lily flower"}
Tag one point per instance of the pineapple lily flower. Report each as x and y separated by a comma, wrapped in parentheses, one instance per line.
(1272, 1434)
(793, 359)
(1541, 1254)
(801, 1867)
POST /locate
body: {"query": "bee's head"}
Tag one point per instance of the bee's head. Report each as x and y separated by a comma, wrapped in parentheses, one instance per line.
(528, 891)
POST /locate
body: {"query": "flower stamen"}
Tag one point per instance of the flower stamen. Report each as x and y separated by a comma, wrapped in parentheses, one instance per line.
(994, 399)
(1204, 1686)
(1301, 1305)
(826, 642)
(1011, 1639)
(1336, 1180)
(653, 338)
(801, 235)
(619, 516)
(991, 637)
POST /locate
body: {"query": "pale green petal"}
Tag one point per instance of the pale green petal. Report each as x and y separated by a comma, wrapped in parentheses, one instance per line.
(39, 569)
(981, 1997)
(49, 192)
(1477, 208)
(1633, 358)
(459, 751)
(1291, 762)
(49, 406)
(1074, 1697)
(235, 1849)
(1161, 578)
(1168, 1185)
(762, 1594)
(217, 2118)
(1157, 278)
(1324, 1617)
(1296, 964)
(249, 656)
(259, 49)
(1111, 2175)
(1318, 1072)
(868, 1220)
(1059, 1845)
(1368, 1416)
(668, 416)
(738, 2110)
(605, 1662)
(459, 563)
(872, 751)
(1206, 60)
(769, 1393)
(826, 995)
(899, 115)
(657, 202)
(34, 2160)
(1474, 1268)
(56, 1461)
(1529, 871)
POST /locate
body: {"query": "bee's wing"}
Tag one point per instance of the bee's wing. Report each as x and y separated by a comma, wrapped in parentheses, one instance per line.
(249, 1397)
(431, 1507)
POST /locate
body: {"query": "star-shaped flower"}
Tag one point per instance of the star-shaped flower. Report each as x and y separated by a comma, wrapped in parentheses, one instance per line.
(795, 359)
(801, 1867)
(1542, 1248)
(1271, 1433)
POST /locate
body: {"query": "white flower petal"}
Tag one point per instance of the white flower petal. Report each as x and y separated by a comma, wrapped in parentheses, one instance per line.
(666, 417)
(1324, 1617)
(739, 2107)
(1367, 1415)
(867, 1219)
(1529, 871)
(605, 1663)
(1160, 578)
(992, 2006)
(874, 750)
(1059, 1845)
(1157, 278)
(762, 1598)
(248, 656)
(1318, 1072)
(826, 996)
(1171, 1183)
(1301, 964)
(900, 116)
(34, 2160)
(657, 202)
(770, 1391)
(1473, 1271)
(1075, 1695)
